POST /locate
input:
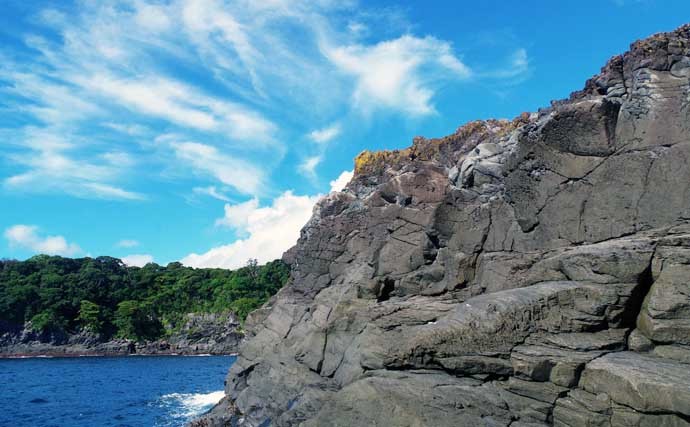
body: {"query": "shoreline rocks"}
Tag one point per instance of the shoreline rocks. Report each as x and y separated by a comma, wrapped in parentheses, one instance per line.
(201, 333)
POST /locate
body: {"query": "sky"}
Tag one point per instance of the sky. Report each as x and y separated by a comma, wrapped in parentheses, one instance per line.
(204, 131)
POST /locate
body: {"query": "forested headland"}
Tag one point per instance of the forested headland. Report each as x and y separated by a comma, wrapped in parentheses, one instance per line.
(104, 296)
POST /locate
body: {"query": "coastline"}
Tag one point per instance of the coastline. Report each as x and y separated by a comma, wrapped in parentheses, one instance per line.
(70, 355)
(115, 349)
(201, 334)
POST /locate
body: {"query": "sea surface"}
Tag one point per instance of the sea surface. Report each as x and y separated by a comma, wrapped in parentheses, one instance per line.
(109, 391)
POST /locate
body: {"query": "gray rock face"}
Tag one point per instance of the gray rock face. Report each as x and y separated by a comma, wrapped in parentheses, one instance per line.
(214, 333)
(524, 273)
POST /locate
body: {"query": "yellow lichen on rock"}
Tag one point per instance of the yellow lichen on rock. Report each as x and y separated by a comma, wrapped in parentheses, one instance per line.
(368, 162)
(466, 136)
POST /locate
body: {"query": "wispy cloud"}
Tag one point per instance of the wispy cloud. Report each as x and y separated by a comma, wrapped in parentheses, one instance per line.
(308, 166)
(516, 70)
(621, 3)
(182, 105)
(244, 177)
(52, 164)
(101, 72)
(211, 191)
(325, 135)
(28, 237)
(127, 243)
(321, 139)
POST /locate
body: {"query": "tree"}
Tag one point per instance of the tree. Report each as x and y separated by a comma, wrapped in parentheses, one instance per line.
(252, 267)
(90, 316)
(135, 320)
(45, 321)
(243, 306)
(126, 319)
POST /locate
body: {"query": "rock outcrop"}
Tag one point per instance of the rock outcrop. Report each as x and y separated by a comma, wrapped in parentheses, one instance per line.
(200, 333)
(516, 273)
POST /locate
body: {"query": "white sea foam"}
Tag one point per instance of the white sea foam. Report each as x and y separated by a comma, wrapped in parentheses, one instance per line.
(188, 405)
(40, 356)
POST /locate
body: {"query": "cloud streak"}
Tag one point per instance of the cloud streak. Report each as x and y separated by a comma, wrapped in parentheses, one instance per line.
(325, 135)
(51, 164)
(244, 177)
(127, 243)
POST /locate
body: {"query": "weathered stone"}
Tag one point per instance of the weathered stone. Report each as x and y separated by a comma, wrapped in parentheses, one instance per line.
(665, 315)
(679, 353)
(644, 383)
(582, 409)
(543, 392)
(638, 342)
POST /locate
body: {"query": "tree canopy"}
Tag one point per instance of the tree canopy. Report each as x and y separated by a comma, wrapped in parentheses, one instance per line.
(105, 296)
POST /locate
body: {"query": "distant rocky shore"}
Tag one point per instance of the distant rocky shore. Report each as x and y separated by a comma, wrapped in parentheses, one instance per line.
(202, 333)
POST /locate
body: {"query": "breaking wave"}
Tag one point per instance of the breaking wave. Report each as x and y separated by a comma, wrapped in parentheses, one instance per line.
(185, 406)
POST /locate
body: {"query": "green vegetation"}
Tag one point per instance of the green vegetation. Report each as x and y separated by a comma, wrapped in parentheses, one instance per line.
(103, 295)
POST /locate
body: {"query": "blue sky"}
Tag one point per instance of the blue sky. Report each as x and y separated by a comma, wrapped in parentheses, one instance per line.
(205, 130)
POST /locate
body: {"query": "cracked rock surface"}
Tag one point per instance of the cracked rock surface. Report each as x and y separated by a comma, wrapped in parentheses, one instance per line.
(533, 272)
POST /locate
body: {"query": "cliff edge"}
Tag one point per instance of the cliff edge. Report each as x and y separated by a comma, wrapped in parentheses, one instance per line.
(516, 273)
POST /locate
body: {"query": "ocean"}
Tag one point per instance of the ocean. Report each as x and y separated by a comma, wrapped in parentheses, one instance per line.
(161, 391)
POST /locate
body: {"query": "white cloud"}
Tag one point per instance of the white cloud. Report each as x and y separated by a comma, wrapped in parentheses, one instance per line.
(206, 159)
(127, 243)
(237, 216)
(137, 260)
(397, 74)
(322, 136)
(211, 191)
(269, 230)
(341, 181)
(27, 237)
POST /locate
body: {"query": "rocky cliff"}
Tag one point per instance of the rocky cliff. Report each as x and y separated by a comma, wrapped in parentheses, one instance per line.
(526, 273)
(200, 333)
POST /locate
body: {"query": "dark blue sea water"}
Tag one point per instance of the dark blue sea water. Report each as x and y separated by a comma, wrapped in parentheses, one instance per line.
(109, 391)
